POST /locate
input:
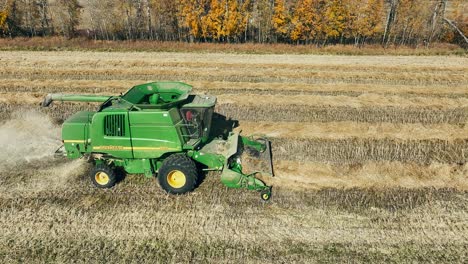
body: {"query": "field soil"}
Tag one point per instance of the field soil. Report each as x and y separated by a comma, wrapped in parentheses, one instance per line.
(370, 156)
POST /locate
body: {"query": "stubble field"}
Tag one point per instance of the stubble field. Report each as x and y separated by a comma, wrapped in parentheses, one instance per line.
(370, 153)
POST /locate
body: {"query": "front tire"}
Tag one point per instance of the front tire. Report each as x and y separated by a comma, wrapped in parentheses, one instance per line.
(178, 174)
(265, 194)
(103, 176)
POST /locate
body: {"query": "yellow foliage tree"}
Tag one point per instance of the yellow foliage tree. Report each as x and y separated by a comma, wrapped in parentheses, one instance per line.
(4, 13)
(233, 19)
(335, 16)
(306, 20)
(280, 18)
(3, 18)
(191, 11)
(365, 19)
(373, 21)
(212, 23)
(224, 20)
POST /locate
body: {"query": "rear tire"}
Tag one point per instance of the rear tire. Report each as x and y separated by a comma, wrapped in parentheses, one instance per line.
(103, 176)
(178, 174)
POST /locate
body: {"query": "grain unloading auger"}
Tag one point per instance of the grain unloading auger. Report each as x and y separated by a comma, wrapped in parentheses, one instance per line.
(158, 128)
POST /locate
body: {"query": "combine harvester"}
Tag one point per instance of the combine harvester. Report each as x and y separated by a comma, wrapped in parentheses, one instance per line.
(158, 128)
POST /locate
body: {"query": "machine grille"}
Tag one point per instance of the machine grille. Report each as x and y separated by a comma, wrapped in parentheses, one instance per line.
(114, 125)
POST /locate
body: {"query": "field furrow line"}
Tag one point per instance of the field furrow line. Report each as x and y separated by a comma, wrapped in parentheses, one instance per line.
(307, 113)
(249, 100)
(381, 175)
(260, 92)
(283, 73)
(89, 57)
(284, 113)
(241, 77)
(113, 88)
(99, 64)
(347, 129)
(361, 150)
(364, 100)
(254, 100)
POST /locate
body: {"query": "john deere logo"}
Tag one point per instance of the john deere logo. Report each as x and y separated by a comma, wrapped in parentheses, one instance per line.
(111, 147)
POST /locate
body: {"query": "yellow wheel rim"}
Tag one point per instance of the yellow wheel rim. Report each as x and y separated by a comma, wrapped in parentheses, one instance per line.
(176, 179)
(101, 178)
(265, 196)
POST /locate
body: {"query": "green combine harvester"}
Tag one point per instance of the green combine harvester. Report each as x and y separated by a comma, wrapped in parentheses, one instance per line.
(159, 128)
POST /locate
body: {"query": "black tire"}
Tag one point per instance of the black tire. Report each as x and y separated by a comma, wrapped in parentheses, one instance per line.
(178, 174)
(103, 176)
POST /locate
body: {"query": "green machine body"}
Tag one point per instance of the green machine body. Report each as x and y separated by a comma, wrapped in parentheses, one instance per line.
(161, 129)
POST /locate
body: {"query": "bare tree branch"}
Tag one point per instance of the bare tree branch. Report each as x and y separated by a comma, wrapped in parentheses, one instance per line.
(456, 28)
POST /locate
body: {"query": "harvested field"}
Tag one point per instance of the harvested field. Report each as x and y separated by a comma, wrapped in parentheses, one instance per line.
(370, 154)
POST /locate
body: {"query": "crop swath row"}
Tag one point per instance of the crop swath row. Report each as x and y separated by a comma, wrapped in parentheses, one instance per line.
(219, 88)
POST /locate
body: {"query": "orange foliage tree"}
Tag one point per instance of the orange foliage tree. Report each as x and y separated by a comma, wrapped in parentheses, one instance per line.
(365, 19)
(307, 20)
(192, 13)
(335, 17)
(3, 19)
(390, 22)
(212, 23)
(281, 19)
(233, 20)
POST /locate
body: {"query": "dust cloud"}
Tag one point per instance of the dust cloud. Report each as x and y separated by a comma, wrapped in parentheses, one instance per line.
(28, 141)
(27, 136)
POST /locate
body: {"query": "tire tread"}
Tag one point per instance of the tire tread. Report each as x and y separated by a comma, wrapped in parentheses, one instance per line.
(182, 163)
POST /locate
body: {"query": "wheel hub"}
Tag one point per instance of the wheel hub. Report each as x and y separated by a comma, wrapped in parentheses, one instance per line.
(102, 178)
(176, 179)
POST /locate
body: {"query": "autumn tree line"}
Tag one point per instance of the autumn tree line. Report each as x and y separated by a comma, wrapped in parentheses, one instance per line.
(319, 22)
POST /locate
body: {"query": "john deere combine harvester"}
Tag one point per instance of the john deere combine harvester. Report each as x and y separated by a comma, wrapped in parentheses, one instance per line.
(158, 128)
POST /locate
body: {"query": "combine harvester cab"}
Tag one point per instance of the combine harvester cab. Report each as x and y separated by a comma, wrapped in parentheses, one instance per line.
(158, 128)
